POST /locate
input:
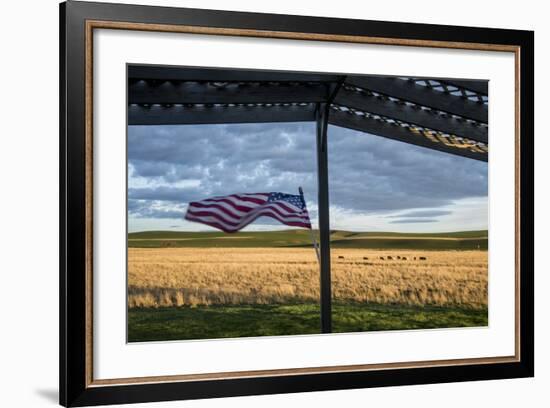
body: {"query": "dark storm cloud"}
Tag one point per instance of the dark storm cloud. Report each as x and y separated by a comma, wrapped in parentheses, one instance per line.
(412, 221)
(376, 174)
(368, 174)
(221, 160)
(421, 214)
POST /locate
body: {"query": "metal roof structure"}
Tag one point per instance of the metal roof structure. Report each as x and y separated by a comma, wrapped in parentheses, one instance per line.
(447, 115)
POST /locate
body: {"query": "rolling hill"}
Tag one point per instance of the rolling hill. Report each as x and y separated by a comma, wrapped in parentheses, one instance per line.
(462, 240)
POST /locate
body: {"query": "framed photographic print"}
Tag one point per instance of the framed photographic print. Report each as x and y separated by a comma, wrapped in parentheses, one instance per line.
(255, 203)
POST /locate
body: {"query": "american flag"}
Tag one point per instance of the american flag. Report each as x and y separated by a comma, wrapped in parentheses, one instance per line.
(234, 212)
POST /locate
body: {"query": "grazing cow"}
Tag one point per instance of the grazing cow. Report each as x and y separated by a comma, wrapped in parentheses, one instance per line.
(398, 257)
(404, 258)
(340, 257)
(390, 258)
(365, 258)
(422, 258)
(382, 258)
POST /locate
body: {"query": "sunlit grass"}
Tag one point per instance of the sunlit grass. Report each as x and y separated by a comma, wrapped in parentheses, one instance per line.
(168, 277)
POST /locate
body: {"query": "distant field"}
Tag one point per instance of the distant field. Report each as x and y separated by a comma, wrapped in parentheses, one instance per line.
(164, 277)
(233, 292)
(466, 240)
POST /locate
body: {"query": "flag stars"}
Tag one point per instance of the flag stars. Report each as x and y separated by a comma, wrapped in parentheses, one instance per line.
(295, 200)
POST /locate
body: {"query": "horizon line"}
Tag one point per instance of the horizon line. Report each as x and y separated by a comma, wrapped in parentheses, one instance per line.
(314, 229)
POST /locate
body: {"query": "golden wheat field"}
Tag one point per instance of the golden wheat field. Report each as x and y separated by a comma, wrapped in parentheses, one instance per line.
(204, 276)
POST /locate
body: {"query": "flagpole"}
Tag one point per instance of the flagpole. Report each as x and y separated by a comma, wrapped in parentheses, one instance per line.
(311, 229)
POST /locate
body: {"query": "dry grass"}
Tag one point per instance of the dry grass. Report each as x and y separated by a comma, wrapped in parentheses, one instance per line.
(203, 276)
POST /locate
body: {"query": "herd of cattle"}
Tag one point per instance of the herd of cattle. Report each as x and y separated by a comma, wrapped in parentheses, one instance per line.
(391, 258)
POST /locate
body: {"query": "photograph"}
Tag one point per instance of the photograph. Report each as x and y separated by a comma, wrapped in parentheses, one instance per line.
(281, 203)
(255, 203)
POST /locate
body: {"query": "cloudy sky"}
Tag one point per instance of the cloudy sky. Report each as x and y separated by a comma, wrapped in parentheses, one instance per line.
(376, 184)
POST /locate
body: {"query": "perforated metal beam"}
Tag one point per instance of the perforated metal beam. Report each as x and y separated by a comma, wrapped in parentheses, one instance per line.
(433, 120)
(480, 87)
(223, 74)
(397, 132)
(182, 92)
(195, 114)
(422, 95)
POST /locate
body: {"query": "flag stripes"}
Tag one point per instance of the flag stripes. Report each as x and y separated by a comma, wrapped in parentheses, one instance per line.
(234, 212)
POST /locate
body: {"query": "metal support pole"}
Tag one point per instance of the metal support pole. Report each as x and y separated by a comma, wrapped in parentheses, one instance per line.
(313, 240)
(324, 227)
